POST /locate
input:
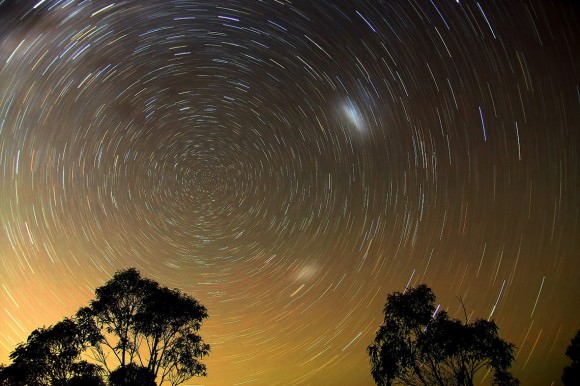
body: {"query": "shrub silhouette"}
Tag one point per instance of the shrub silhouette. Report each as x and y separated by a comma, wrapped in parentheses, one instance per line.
(418, 345)
(134, 332)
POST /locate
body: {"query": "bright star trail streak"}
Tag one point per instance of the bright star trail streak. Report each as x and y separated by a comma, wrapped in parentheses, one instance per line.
(291, 163)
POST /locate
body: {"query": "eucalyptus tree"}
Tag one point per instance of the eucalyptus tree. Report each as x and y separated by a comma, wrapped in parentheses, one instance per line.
(51, 356)
(418, 345)
(571, 374)
(137, 322)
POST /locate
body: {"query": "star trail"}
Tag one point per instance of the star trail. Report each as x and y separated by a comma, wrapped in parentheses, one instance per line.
(289, 164)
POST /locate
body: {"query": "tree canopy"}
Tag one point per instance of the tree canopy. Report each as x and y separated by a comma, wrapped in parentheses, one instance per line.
(571, 375)
(132, 375)
(135, 332)
(51, 356)
(417, 344)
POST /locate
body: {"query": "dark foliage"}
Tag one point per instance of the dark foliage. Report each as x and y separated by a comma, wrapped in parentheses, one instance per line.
(50, 356)
(415, 345)
(132, 375)
(134, 320)
(151, 331)
(571, 375)
(86, 374)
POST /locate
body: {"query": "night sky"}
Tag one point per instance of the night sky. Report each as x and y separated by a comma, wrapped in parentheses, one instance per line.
(289, 164)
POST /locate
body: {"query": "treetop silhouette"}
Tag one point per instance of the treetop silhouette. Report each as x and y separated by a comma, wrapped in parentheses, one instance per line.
(419, 345)
(571, 374)
(50, 356)
(133, 333)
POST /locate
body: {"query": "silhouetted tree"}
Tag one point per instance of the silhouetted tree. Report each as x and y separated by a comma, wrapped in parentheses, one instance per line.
(418, 345)
(50, 356)
(137, 321)
(571, 375)
(87, 374)
(132, 375)
(11, 376)
(136, 329)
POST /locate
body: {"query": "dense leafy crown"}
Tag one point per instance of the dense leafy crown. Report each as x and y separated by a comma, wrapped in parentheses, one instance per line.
(416, 345)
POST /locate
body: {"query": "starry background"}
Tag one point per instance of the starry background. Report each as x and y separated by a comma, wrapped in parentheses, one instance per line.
(289, 164)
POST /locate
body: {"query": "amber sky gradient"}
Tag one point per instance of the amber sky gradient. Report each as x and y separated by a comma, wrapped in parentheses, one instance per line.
(289, 164)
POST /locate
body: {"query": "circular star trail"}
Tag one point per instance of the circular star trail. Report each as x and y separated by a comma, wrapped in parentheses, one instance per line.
(289, 164)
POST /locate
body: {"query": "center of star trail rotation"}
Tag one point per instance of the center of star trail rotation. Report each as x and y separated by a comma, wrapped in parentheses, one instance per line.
(289, 165)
